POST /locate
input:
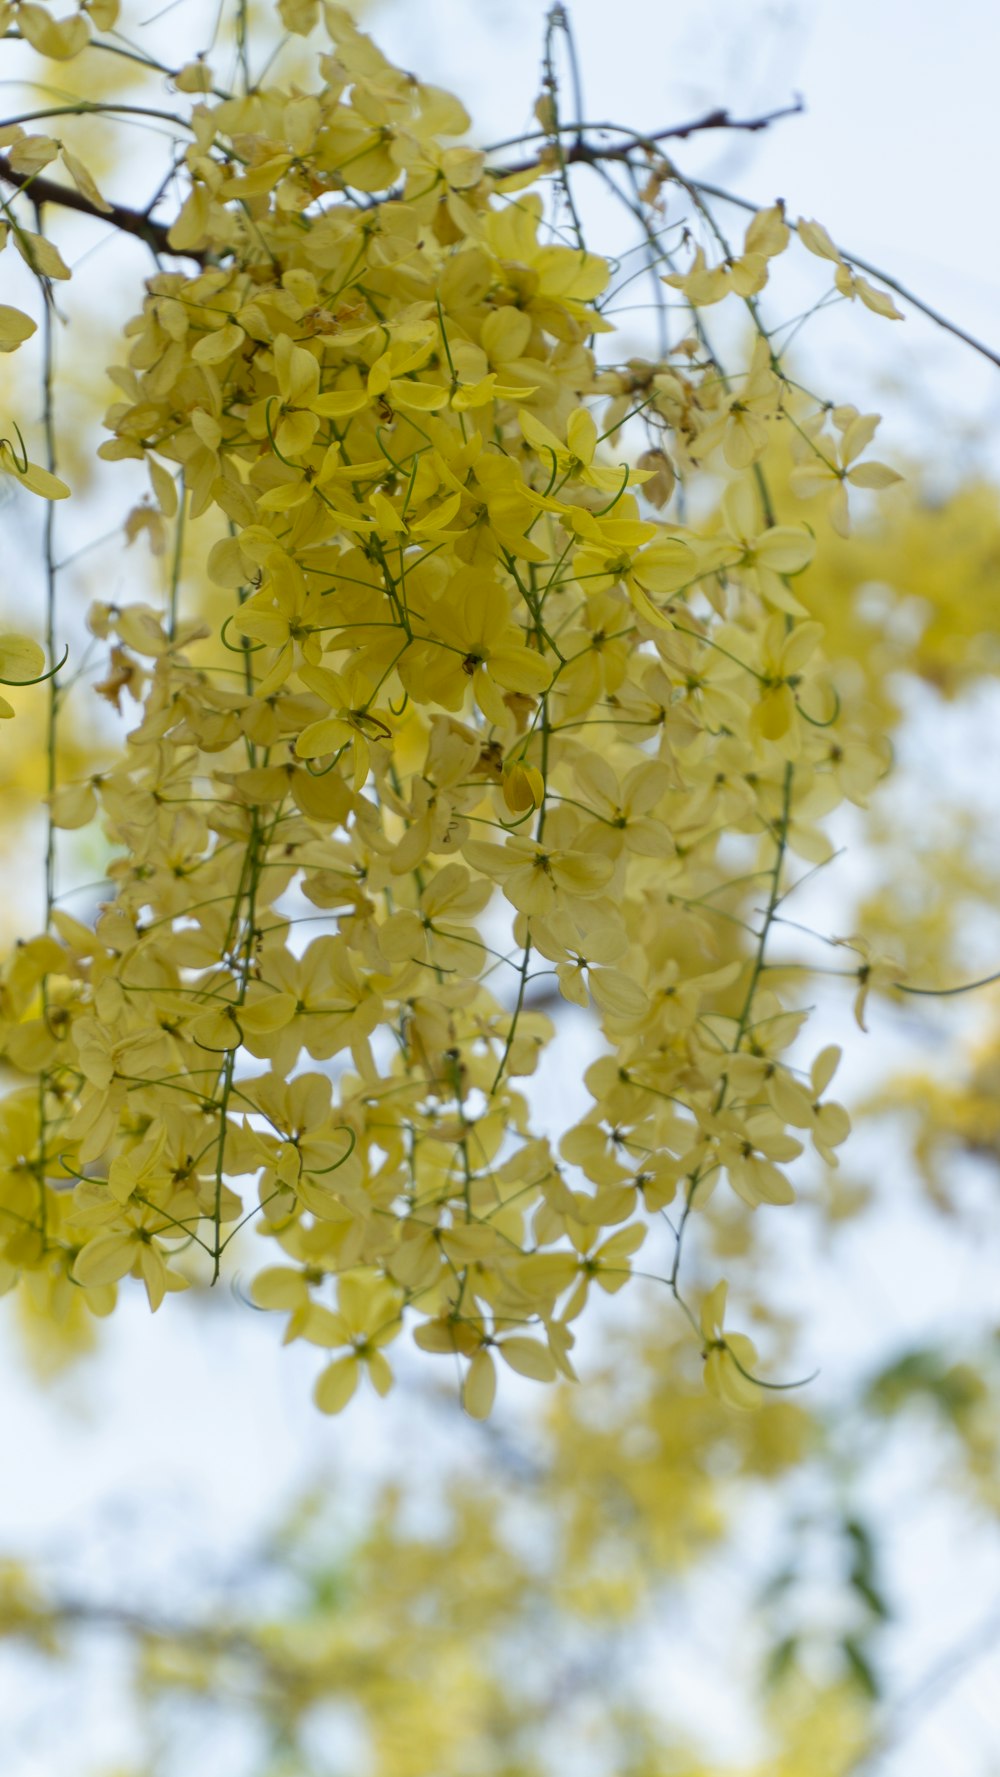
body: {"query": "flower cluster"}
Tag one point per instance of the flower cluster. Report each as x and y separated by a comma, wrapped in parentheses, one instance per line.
(479, 723)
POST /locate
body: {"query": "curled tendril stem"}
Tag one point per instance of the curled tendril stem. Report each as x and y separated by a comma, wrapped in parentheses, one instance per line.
(601, 510)
(230, 1048)
(324, 1171)
(71, 1171)
(245, 647)
(771, 1387)
(270, 434)
(325, 770)
(814, 721)
(53, 670)
(5, 444)
(512, 826)
(386, 452)
(944, 993)
(549, 452)
(381, 728)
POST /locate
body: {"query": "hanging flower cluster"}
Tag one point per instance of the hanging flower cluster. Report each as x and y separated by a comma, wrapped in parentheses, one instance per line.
(480, 724)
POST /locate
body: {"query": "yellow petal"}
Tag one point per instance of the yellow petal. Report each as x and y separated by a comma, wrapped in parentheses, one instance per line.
(814, 236)
(36, 479)
(339, 404)
(480, 1386)
(786, 549)
(105, 1259)
(21, 660)
(212, 348)
(417, 397)
(59, 39)
(41, 254)
(528, 1357)
(877, 475)
(15, 328)
(336, 1385)
(278, 1286)
(84, 180)
(73, 806)
(322, 737)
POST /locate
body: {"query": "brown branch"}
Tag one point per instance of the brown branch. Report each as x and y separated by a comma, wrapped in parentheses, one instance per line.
(589, 154)
(128, 221)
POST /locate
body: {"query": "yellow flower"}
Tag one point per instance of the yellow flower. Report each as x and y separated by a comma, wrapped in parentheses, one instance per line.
(292, 417)
(764, 559)
(311, 1150)
(704, 284)
(623, 550)
(624, 810)
(368, 1316)
(324, 1004)
(743, 425)
(390, 379)
(784, 653)
(849, 282)
(818, 471)
(747, 1145)
(131, 1248)
(477, 644)
(730, 1358)
(538, 878)
(876, 972)
(555, 285)
(574, 460)
(428, 936)
(828, 1123)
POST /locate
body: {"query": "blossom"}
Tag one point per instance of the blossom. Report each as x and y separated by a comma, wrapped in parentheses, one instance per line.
(538, 878)
(366, 1319)
(764, 559)
(818, 471)
(476, 644)
(877, 971)
(730, 1358)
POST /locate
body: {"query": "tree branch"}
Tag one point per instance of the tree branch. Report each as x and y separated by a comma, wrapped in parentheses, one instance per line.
(591, 155)
(133, 222)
